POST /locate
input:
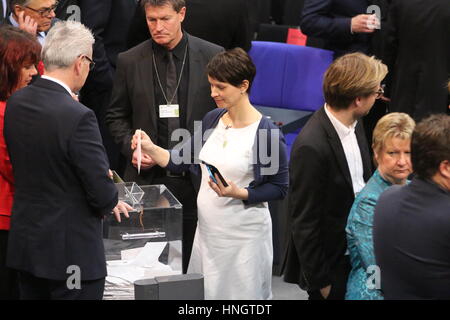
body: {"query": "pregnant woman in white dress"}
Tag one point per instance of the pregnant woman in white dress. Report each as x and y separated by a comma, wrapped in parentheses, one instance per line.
(233, 241)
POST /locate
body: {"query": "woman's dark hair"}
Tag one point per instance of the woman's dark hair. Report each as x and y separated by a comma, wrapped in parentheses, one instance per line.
(233, 67)
(17, 49)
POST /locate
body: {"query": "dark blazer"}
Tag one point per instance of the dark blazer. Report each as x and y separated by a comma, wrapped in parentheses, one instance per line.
(320, 197)
(331, 20)
(65, 9)
(4, 18)
(62, 190)
(223, 22)
(109, 20)
(412, 241)
(418, 56)
(133, 103)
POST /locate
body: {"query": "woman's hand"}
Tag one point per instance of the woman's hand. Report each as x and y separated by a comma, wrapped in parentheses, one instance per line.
(146, 143)
(231, 191)
(151, 154)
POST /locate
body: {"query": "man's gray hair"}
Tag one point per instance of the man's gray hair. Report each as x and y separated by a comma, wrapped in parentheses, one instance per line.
(21, 3)
(66, 41)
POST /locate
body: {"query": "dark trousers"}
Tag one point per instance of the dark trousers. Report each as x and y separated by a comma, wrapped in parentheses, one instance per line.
(34, 288)
(9, 287)
(98, 101)
(183, 190)
(339, 279)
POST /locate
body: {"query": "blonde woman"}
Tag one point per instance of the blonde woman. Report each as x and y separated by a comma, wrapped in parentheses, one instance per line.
(392, 149)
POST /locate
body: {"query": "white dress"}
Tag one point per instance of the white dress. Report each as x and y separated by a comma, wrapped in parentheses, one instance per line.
(233, 243)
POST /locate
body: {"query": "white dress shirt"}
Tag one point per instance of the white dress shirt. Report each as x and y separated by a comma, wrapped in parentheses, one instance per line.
(351, 149)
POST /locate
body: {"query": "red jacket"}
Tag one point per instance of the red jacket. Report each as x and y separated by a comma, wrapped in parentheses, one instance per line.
(6, 177)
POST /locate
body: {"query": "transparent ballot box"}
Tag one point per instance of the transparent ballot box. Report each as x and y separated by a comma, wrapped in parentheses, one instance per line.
(146, 245)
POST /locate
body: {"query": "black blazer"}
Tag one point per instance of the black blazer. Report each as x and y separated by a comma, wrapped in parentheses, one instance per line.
(320, 198)
(109, 20)
(411, 237)
(331, 20)
(133, 104)
(62, 190)
(4, 17)
(223, 22)
(417, 53)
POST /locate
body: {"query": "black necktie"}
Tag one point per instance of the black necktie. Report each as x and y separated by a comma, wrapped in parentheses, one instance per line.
(172, 95)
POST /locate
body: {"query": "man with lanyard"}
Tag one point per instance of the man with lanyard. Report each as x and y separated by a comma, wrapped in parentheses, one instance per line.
(161, 85)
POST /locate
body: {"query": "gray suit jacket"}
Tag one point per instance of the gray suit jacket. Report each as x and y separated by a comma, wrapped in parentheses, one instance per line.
(133, 103)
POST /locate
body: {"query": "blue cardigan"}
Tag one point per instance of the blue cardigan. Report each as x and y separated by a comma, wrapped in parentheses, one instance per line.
(264, 187)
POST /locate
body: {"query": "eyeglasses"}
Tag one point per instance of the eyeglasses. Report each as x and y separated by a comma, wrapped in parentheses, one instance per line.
(91, 63)
(379, 92)
(46, 11)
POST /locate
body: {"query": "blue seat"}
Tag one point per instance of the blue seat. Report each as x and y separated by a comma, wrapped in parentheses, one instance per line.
(288, 83)
(288, 76)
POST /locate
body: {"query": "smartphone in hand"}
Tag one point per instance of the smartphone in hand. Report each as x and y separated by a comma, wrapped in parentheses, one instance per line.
(212, 171)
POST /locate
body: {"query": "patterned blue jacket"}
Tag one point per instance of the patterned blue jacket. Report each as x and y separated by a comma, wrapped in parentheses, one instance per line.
(360, 241)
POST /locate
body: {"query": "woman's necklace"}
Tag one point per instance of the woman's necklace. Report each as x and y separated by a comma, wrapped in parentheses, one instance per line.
(225, 141)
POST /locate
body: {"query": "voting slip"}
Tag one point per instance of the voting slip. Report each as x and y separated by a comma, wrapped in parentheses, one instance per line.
(169, 110)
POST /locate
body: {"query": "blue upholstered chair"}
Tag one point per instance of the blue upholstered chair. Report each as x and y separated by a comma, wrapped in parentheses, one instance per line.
(288, 83)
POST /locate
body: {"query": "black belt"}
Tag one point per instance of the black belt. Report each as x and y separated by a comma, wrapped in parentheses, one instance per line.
(176, 174)
(161, 173)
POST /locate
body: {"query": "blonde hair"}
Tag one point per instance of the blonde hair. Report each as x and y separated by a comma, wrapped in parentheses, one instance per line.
(393, 125)
(350, 76)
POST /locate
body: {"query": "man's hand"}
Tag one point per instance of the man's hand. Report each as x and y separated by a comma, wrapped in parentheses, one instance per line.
(365, 23)
(325, 292)
(146, 161)
(121, 207)
(26, 23)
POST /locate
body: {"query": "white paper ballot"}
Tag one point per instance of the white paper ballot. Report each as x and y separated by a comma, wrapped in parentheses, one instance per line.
(139, 152)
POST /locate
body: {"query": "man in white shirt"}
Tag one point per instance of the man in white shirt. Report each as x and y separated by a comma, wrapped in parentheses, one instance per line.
(330, 163)
(33, 16)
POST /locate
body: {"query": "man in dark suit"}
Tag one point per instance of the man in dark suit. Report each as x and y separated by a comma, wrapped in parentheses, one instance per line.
(62, 187)
(223, 22)
(33, 16)
(330, 163)
(160, 86)
(418, 56)
(109, 21)
(412, 223)
(344, 25)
